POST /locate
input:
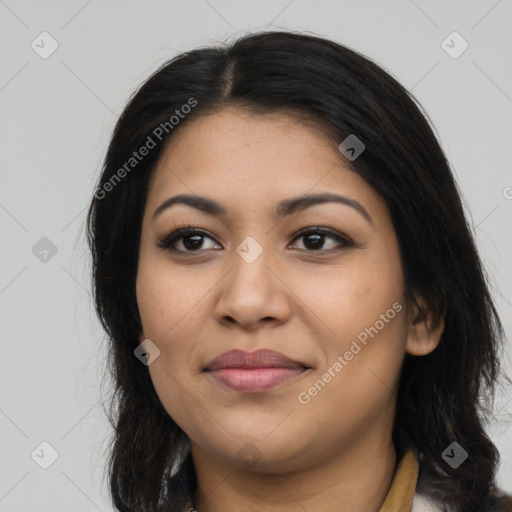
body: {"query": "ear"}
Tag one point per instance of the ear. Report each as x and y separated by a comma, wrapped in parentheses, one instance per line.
(141, 337)
(423, 333)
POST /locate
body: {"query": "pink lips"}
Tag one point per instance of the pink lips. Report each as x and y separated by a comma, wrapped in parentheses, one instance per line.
(253, 372)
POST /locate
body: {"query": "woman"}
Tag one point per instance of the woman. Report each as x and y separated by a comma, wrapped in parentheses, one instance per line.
(298, 316)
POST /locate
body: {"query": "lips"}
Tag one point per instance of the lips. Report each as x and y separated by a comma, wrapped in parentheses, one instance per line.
(252, 372)
(258, 359)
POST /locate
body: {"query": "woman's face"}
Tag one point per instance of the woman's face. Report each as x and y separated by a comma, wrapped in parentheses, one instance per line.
(332, 301)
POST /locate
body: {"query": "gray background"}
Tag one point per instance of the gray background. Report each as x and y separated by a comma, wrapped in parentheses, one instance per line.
(56, 118)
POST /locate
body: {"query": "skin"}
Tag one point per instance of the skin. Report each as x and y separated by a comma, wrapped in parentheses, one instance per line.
(309, 304)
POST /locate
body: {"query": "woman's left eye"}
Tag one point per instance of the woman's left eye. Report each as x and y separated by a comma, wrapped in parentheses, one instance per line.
(314, 240)
(315, 237)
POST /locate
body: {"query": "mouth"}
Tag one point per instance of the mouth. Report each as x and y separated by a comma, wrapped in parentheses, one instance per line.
(254, 372)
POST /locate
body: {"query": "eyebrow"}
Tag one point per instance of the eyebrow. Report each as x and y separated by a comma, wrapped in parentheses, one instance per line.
(284, 208)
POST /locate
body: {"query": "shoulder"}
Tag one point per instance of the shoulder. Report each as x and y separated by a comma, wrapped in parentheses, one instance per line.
(498, 503)
(421, 503)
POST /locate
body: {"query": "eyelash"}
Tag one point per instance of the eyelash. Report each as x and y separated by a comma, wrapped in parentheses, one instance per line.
(168, 241)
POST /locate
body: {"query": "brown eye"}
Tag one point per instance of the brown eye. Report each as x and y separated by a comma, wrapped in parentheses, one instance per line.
(315, 238)
(191, 239)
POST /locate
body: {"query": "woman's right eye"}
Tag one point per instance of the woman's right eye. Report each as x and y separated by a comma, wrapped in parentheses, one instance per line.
(190, 239)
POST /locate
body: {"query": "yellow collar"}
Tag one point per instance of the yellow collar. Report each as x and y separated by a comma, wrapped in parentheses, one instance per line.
(403, 486)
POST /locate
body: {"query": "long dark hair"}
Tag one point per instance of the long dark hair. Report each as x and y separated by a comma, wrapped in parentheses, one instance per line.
(442, 396)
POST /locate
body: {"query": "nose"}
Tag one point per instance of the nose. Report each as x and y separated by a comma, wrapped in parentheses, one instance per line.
(253, 294)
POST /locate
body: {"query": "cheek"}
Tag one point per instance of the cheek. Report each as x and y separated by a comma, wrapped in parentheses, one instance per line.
(167, 299)
(351, 297)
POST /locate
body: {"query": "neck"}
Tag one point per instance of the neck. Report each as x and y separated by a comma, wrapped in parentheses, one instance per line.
(355, 480)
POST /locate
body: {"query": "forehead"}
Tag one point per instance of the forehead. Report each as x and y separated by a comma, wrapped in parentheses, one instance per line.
(245, 157)
(232, 135)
